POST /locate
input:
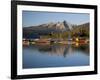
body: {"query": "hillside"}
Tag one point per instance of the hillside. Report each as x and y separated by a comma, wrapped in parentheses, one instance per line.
(81, 30)
(62, 28)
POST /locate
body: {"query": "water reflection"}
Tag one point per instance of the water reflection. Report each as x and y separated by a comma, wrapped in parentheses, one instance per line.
(37, 56)
(60, 50)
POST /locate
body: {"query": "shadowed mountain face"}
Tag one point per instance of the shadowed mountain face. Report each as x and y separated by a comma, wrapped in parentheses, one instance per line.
(45, 29)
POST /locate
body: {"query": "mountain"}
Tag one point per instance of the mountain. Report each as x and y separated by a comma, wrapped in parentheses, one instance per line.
(45, 29)
(49, 27)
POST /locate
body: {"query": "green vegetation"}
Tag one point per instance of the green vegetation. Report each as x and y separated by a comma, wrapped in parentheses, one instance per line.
(77, 31)
(62, 35)
(81, 31)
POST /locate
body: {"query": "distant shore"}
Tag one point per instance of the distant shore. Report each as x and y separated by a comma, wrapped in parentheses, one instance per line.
(78, 41)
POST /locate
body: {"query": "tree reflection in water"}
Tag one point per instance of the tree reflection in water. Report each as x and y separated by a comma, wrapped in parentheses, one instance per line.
(61, 50)
(55, 55)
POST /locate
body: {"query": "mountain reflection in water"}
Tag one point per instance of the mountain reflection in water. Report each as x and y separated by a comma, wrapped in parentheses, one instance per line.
(62, 50)
(41, 56)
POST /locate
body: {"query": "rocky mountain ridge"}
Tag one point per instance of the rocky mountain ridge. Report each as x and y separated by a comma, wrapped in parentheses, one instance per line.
(49, 28)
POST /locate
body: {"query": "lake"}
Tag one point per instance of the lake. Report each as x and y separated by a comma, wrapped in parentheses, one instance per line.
(44, 56)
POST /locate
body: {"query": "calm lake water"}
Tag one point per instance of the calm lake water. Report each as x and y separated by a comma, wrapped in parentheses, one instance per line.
(43, 56)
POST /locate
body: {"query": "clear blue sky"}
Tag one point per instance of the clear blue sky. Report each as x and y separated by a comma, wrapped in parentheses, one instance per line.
(32, 18)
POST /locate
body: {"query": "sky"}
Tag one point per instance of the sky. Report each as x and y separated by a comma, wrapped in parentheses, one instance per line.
(33, 18)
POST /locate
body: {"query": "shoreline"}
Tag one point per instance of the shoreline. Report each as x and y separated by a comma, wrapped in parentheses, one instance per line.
(49, 42)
